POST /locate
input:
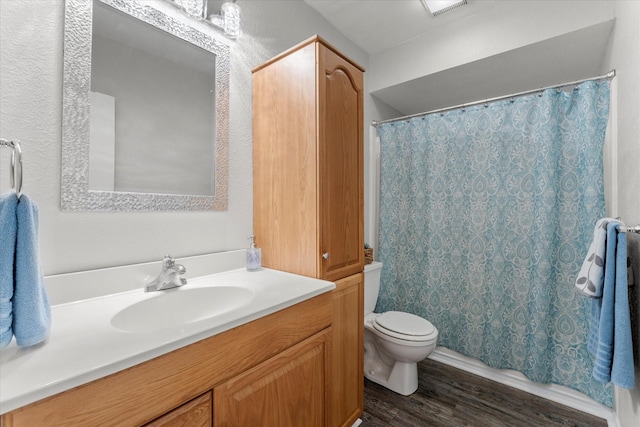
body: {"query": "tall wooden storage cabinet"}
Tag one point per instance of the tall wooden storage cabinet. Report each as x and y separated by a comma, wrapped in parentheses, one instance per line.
(308, 192)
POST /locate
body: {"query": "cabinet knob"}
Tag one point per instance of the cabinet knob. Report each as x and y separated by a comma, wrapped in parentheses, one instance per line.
(325, 255)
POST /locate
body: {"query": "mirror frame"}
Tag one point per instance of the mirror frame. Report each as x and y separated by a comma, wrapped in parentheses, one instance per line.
(75, 194)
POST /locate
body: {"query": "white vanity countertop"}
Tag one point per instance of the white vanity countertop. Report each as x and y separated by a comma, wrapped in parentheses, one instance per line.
(83, 345)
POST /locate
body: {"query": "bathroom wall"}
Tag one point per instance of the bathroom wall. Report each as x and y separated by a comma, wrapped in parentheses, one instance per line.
(31, 39)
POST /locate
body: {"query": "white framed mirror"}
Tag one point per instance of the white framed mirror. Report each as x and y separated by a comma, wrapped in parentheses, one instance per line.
(145, 111)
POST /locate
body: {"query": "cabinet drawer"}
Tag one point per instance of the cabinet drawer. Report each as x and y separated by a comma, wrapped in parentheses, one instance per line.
(195, 413)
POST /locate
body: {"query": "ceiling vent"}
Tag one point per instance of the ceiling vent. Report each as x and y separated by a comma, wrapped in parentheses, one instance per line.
(438, 7)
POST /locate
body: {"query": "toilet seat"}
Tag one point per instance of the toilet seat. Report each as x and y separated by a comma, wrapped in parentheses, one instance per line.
(404, 326)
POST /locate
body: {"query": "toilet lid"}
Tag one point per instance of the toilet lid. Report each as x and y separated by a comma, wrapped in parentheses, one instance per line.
(404, 326)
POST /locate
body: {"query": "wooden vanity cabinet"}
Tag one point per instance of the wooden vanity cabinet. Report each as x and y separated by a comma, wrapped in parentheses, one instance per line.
(308, 192)
(275, 367)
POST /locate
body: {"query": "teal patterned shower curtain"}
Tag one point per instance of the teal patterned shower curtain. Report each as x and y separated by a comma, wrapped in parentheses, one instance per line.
(486, 215)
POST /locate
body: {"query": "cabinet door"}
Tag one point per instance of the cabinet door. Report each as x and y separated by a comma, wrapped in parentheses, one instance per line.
(347, 389)
(287, 390)
(195, 413)
(341, 166)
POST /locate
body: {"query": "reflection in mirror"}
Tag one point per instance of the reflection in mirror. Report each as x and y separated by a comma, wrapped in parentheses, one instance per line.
(152, 109)
(145, 111)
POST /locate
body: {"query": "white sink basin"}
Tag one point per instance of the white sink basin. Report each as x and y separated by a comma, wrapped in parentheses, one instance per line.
(177, 307)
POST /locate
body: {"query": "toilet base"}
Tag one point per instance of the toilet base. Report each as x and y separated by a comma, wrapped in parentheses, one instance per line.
(401, 378)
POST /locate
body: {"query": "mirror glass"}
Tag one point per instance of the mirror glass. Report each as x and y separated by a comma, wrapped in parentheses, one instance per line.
(152, 109)
(145, 110)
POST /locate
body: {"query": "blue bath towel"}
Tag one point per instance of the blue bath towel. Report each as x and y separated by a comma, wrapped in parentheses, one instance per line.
(24, 307)
(622, 370)
(602, 313)
(8, 228)
(31, 309)
(610, 336)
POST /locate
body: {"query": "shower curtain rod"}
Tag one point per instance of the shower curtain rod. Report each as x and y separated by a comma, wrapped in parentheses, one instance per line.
(611, 74)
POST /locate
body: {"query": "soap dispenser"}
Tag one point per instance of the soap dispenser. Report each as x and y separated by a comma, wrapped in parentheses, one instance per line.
(254, 256)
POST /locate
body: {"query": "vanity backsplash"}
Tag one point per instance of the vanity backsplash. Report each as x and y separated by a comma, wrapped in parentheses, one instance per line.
(82, 285)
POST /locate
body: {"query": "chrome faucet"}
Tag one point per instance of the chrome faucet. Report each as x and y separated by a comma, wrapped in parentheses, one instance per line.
(169, 277)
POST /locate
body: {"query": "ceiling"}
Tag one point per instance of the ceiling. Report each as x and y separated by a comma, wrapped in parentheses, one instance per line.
(377, 26)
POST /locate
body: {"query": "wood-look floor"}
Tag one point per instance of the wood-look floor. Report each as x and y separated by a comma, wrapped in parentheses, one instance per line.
(447, 396)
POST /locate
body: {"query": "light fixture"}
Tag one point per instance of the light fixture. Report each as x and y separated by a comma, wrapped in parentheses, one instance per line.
(197, 9)
(228, 20)
(438, 7)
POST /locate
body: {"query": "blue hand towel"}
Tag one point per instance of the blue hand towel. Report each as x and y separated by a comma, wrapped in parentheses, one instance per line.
(8, 227)
(602, 323)
(590, 278)
(622, 368)
(31, 309)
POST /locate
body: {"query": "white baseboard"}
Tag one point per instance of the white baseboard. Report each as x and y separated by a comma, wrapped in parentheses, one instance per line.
(556, 393)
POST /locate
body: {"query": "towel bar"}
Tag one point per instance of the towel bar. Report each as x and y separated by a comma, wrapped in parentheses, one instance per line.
(16, 164)
(633, 229)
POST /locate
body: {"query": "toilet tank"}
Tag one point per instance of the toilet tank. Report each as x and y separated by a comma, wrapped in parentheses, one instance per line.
(371, 285)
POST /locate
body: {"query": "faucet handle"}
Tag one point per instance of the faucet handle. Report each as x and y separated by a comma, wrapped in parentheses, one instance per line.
(168, 262)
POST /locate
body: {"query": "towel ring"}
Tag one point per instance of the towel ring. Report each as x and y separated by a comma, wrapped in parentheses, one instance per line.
(16, 164)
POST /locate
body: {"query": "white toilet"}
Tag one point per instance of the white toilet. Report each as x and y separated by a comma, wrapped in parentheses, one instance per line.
(394, 342)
